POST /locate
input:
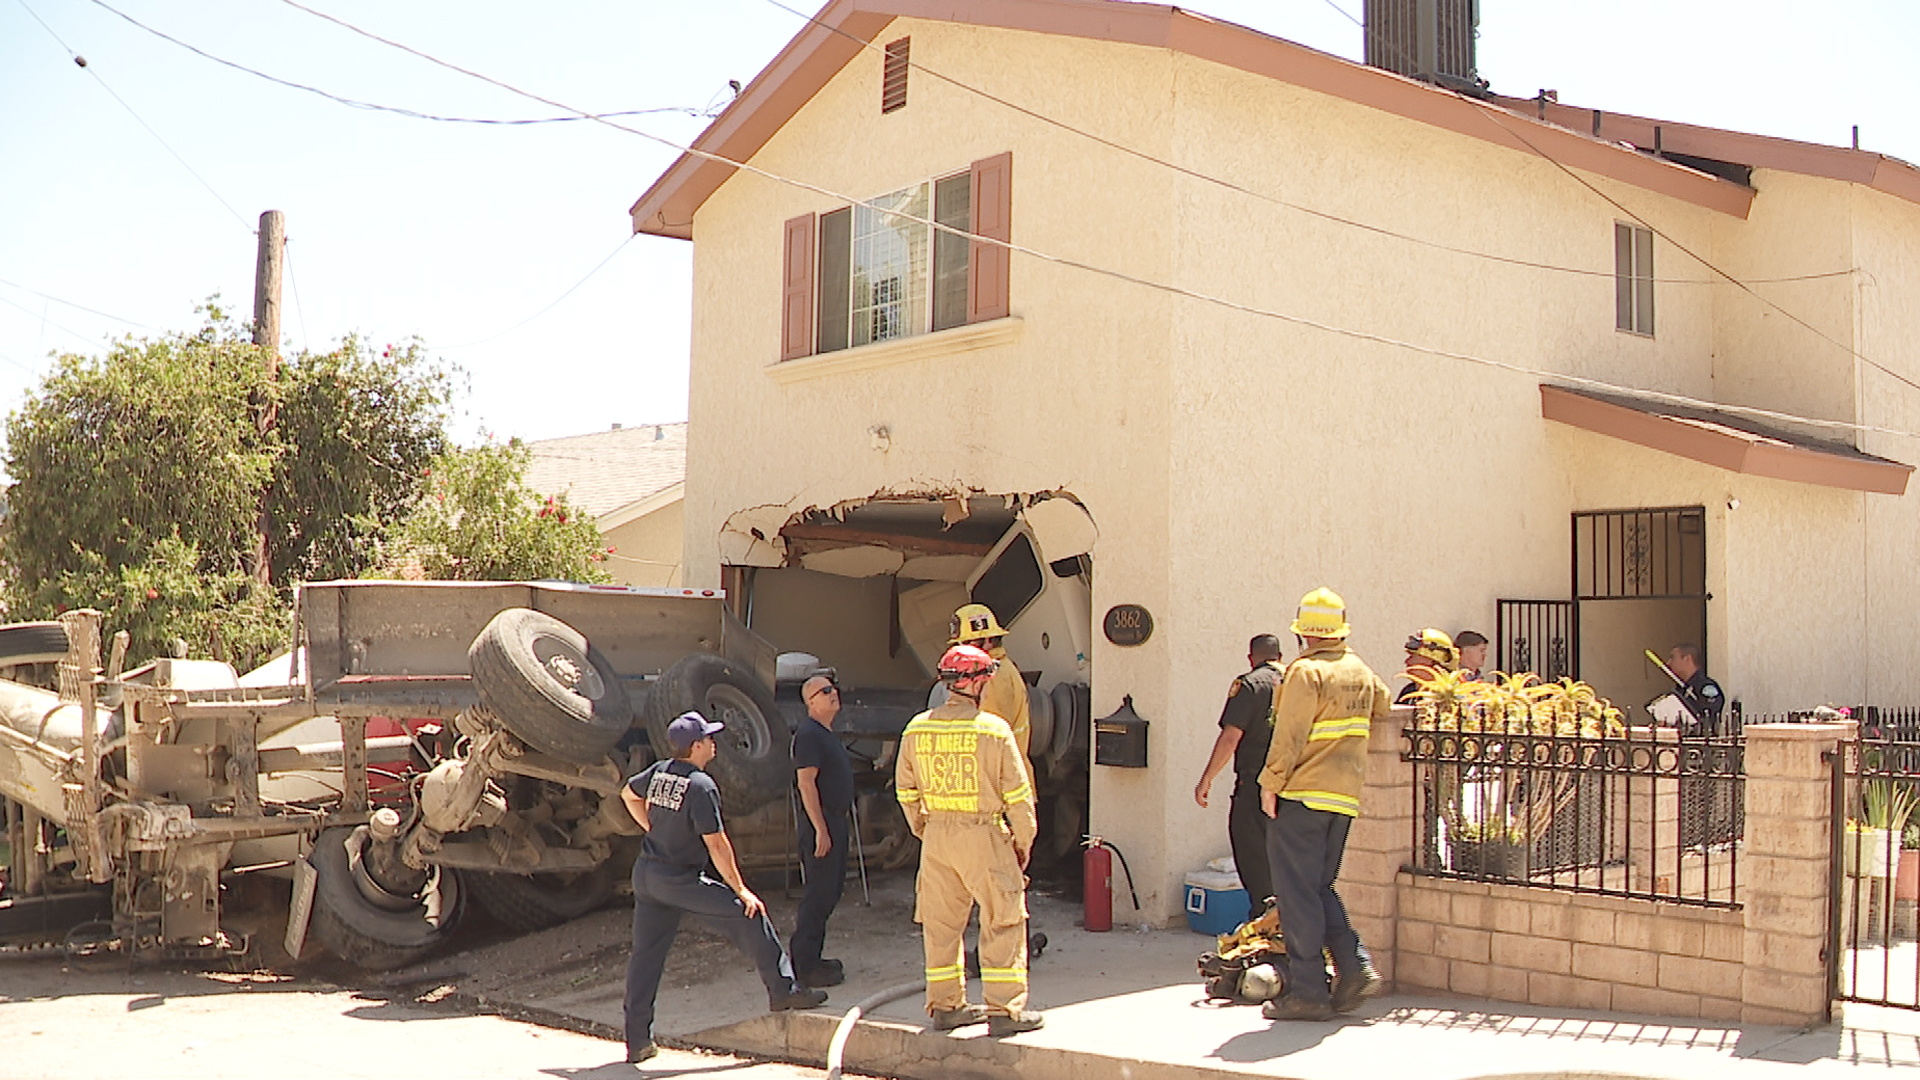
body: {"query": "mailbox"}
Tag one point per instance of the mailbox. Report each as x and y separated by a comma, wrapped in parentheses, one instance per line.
(1121, 739)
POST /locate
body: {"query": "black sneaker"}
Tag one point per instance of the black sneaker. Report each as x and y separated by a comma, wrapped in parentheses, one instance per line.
(1349, 990)
(1001, 1026)
(799, 997)
(638, 1054)
(1294, 1007)
(949, 1019)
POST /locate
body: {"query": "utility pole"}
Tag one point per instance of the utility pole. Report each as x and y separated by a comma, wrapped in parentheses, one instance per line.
(266, 334)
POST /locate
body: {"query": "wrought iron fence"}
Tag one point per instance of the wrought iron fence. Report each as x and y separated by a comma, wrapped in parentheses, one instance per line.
(1876, 870)
(1645, 814)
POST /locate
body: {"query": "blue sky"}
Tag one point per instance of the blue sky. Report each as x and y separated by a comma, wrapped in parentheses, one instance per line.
(459, 233)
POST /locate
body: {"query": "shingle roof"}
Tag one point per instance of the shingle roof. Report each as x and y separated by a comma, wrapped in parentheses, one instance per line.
(604, 471)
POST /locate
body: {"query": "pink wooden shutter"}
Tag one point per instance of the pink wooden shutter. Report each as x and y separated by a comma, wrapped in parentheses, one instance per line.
(796, 289)
(988, 264)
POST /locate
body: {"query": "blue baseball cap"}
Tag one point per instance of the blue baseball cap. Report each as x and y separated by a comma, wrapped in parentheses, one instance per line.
(689, 728)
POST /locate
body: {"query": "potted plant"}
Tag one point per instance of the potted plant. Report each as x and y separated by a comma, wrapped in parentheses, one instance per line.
(1906, 882)
(1494, 849)
(1885, 808)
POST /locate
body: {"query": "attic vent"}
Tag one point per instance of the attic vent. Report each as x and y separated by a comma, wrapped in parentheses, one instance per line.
(893, 78)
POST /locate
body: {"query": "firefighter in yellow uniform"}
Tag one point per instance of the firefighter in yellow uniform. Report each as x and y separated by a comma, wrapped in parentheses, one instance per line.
(1006, 694)
(1310, 792)
(964, 788)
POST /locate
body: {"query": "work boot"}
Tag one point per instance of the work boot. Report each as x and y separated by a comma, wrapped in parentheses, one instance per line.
(950, 1019)
(1001, 1026)
(825, 973)
(1295, 1007)
(799, 997)
(1350, 988)
(641, 1053)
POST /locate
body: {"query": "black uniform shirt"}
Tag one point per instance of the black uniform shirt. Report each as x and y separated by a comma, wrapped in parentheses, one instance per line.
(683, 806)
(817, 747)
(1704, 699)
(1250, 708)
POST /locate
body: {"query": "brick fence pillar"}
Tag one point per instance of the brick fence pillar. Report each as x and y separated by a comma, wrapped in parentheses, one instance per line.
(1654, 804)
(1785, 864)
(1381, 842)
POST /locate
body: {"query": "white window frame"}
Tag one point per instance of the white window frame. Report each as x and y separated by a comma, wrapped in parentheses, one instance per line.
(1633, 280)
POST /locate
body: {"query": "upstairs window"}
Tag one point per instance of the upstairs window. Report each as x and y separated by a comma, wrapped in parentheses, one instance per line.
(878, 271)
(1633, 279)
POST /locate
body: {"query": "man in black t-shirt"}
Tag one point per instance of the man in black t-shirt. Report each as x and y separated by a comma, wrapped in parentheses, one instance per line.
(1246, 730)
(678, 805)
(1703, 698)
(824, 775)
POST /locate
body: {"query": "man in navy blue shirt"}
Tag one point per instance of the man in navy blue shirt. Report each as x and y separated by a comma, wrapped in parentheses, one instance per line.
(823, 773)
(679, 807)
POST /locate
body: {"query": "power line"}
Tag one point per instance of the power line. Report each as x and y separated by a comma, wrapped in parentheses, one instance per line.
(76, 307)
(82, 62)
(622, 246)
(1118, 275)
(1229, 185)
(374, 106)
(43, 318)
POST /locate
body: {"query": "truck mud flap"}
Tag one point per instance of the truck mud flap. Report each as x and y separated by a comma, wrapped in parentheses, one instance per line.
(300, 910)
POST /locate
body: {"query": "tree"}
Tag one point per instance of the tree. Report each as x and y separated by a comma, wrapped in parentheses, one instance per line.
(477, 520)
(139, 477)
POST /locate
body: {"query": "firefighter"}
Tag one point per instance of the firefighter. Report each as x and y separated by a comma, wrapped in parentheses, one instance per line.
(1429, 652)
(1310, 793)
(964, 789)
(1006, 695)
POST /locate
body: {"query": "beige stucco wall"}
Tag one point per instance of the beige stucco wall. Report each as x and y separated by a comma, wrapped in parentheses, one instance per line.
(647, 550)
(1233, 461)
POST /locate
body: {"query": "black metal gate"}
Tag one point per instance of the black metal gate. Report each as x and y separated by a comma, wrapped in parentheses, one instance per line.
(1873, 955)
(1537, 636)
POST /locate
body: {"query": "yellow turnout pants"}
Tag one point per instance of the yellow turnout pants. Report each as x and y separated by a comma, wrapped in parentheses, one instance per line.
(964, 860)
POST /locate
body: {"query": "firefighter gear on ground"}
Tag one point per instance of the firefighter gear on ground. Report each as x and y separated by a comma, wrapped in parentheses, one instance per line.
(974, 623)
(1435, 646)
(1322, 614)
(964, 789)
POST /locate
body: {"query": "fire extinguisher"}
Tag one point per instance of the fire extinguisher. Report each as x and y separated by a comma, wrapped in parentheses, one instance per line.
(1096, 883)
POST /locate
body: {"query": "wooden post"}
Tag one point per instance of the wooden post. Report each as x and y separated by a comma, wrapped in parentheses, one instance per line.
(266, 334)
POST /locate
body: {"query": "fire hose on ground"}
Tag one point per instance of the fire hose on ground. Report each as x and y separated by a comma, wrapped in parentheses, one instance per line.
(838, 1047)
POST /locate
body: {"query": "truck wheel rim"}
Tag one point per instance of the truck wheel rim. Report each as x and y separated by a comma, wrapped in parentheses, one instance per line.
(568, 666)
(746, 728)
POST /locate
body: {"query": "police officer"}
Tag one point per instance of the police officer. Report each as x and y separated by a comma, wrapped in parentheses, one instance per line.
(1246, 729)
(964, 789)
(678, 806)
(823, 773)
(1310, 792)
(1702, 696)
(1006, 695)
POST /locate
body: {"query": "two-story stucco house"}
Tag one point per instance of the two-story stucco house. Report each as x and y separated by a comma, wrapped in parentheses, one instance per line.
(1227, 319)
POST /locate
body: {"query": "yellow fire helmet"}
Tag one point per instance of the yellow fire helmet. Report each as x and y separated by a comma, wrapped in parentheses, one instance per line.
(1436, 646)
(1322, 614)
(974, 622)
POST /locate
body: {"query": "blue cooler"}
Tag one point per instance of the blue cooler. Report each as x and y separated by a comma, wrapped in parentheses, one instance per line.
(1216, 903)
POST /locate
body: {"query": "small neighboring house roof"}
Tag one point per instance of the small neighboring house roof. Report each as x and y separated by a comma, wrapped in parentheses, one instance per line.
(1724, 441)
(614, 475)
(844, 27)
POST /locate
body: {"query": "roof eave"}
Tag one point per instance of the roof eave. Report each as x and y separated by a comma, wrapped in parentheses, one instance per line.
(818, 52)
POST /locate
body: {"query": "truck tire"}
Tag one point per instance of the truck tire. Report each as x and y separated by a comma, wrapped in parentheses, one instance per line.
(549, 686)
(755, 764)
(1040, 721)
(383, 935)
(33, 643)
(542, 901)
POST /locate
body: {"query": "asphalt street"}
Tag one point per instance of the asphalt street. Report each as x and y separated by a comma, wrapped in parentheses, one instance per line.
(99, 1019)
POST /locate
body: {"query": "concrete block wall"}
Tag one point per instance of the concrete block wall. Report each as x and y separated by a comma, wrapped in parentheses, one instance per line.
(1757, 963)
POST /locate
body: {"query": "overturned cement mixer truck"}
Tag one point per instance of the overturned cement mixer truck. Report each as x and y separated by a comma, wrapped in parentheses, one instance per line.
(418, 742)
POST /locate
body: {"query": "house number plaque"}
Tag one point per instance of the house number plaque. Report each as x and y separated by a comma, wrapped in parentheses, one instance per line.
(1128, 624)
